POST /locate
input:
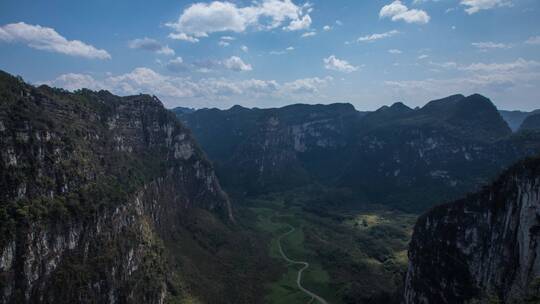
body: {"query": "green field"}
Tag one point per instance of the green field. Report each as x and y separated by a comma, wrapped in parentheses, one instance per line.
(356, 255)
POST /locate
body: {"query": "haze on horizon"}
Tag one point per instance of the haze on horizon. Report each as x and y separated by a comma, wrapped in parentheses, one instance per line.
(270, 53)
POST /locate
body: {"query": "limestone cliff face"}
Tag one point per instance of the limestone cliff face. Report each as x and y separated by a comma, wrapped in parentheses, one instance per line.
(406, 158)
(481, 248)
(90, 186)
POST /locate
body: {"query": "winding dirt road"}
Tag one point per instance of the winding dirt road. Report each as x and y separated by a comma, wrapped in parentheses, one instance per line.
(305, 266)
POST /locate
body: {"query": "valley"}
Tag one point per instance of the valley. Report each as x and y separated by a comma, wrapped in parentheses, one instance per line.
(339, 244)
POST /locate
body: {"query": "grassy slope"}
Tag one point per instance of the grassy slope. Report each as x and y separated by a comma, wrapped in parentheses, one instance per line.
(358, 252)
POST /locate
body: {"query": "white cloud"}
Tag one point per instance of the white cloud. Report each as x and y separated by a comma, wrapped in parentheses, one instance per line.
(305, 85)
(395, 51)
(533, 40)
(474, 6)
(446, 65)
(423, 56)
(309, 34)
(223, 43)
(47, 39)
(500, 78)
(519, 64)
(299, 24)
(335, 64)
(177, 65)
(228, 38)
(150, 45)
(74, 81)
(244, 48)
(373, 37)
(201, 19)
(327, 28)
(183, 37)
(490, 45)
(398, 11)
(235, 63)
(173, 90)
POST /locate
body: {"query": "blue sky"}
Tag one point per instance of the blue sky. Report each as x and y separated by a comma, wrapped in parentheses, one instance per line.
(268, 53)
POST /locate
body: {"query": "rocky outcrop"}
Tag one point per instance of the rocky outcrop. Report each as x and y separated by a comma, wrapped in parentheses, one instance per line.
(91, 185)
(482, 248)
(258, 150)
(407, 158)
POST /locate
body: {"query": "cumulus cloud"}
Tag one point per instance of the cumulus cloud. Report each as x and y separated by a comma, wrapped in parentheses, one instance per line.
(177, 65)
(309, 34)
(150, 45)
(327, 28)
(519, 64)
(490, 45)
(235, 63)
(299, 24)
(335, 64)
(201, 19)
(175, 89)
(533, 40)
(223, 43)
(395, 51)
(306, 85)
(489, 78)
(474, 6)
(398, 11)
(282, 52)
(244, 48)
(445, 65)
(183, 37)
(74, 81)
(373, 37)
(47, 39)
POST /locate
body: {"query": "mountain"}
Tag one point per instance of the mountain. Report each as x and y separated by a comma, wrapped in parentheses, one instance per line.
(407, 158)
(531, 123)
(182, 110)
(108, 199)
(515, 118)
(258, 150)
(483, 247)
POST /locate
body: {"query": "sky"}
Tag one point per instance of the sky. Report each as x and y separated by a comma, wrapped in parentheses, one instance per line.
(270, 53)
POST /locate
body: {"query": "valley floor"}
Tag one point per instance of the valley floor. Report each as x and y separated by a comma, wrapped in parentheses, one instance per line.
(355, 255)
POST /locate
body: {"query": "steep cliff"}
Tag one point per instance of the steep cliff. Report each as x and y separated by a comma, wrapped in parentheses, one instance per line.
(258, 150)
(482, 248)
(92, 189)
(407, 158)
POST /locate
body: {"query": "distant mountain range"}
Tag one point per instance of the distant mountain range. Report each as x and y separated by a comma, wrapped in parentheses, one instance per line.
(403, 157)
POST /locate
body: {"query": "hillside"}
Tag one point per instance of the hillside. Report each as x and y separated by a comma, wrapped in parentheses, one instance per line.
(109, 199)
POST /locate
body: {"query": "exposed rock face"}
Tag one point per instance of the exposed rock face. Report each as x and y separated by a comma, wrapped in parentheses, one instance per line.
(407, 158)
(90, 186)
(484, 247)
(269, 149)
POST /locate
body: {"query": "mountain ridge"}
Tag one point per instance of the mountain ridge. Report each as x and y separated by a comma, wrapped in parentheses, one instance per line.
(110, 199)
(402, 148)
